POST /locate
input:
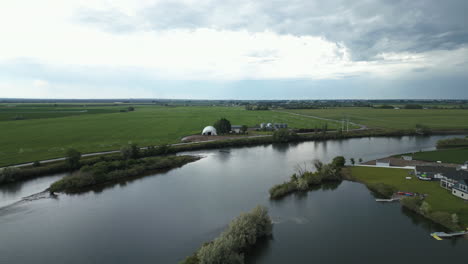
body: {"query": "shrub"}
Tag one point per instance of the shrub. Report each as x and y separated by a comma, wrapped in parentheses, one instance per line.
(242, 233)
(284, 135)
(412, 203)
(36, 163)
(382, 189)
(281, 190)
(444, 219)
(130, 151)
(425, 208)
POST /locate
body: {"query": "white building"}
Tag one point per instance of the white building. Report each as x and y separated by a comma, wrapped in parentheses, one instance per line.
(460, 189)
(382, 163)
(236, 129)
(209, 131)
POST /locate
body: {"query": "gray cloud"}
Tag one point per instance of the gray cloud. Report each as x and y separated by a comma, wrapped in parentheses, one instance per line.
(367, 27)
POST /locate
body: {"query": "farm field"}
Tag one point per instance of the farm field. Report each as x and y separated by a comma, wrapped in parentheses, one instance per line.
(38, 139)
(458, 156)
(443, 119)
(439, 198)
(9, 112)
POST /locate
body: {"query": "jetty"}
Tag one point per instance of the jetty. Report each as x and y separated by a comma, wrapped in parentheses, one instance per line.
(440, 235)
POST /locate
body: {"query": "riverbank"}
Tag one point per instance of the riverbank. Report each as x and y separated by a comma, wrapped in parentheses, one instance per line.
(440, 204)
(57, 165)
(111, 171)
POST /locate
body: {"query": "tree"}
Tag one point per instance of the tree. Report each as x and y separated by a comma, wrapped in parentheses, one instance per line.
(244, 129)
(352, 161)
(339, 161)
(130, 151)
(455, 218)
(360, 160)
(223, 126)
(425, 208)
(73, 159)
(130, 109)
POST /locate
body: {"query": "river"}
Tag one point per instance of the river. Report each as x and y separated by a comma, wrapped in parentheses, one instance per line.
(166, 217)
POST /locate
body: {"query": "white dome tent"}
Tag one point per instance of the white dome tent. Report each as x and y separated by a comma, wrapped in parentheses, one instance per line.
(209, 131)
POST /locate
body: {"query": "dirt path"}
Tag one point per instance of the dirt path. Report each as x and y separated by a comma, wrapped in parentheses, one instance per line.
(361, 127)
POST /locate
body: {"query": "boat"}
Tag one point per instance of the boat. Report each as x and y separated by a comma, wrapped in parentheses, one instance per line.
(440, 235)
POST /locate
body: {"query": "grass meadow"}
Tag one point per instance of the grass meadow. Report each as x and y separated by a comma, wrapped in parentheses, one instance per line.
(459, 155)
(38, 139)
(443, 119)
(440, 199)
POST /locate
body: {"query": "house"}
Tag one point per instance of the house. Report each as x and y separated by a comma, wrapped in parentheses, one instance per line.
(236, 129)
(460, 189)
(452, 178)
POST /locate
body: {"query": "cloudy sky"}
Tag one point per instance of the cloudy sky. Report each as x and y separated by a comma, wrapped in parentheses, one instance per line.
(234, 49)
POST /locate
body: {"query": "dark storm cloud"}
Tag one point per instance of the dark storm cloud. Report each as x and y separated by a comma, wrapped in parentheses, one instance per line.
(366, 27)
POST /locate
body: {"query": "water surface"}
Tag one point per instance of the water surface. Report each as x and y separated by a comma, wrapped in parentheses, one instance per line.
(163, 218)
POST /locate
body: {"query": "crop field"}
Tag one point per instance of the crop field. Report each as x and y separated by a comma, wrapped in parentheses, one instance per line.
(443, 119)
(439, 198)
(10, 112)
(38, 139)
(458, 156)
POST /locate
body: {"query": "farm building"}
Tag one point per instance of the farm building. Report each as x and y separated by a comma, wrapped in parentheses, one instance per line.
(271, 126)
(382, 163)
(209, 131)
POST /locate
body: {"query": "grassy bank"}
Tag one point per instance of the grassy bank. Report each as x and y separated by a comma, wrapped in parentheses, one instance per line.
(110, 171)
(453, 143)
(458, 155)
(241, 235)
(441, 202)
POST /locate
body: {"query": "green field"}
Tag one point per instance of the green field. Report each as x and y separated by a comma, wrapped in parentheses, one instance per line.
(9, 112)
(38, 139)
(439, 198)
(458, 156)
(443, 119)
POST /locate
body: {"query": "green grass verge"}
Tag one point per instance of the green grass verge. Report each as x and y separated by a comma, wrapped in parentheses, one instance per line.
(458, 156)
(439, 199)
(441, 119)
(38, 139)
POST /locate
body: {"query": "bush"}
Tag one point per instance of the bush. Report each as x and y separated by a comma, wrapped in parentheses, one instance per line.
(281, 190)
(412, 203)
(452, 143)
(36, 163)
(382, 189)
(242, 233)
(284, 135)
(444, 219)
(130, 151)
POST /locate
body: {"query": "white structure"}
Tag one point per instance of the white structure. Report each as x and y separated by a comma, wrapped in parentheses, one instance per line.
(461, 189)
(407, 157)
(236, 129)
(382, 163)
(209, 131)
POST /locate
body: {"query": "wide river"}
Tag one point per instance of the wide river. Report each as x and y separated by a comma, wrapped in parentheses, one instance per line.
(166, 217)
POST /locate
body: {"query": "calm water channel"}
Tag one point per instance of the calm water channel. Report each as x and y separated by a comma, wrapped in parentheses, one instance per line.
(163, 218)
